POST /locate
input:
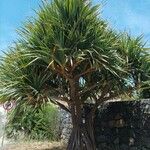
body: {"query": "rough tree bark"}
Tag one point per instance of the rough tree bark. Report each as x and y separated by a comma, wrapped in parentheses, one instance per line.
(82, 136)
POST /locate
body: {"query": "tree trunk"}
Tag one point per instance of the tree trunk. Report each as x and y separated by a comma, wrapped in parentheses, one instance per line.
(82, 136)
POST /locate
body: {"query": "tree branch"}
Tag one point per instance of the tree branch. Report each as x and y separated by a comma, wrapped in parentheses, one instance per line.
(88, 89)
(75, 65)
(59, 98)
(60, 105)
(84, 73)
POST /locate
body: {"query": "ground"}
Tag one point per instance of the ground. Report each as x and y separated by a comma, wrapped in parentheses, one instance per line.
(35, 146)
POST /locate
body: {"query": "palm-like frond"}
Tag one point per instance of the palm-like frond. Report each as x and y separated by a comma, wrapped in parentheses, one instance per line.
(72, 32)
(68, 40)
(21, 80)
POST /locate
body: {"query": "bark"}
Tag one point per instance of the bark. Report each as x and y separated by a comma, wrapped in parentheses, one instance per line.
(82, 136)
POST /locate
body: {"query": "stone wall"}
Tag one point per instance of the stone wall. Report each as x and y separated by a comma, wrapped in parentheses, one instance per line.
(123, 126)
(65, 125)
(2, 120)
(118, 126)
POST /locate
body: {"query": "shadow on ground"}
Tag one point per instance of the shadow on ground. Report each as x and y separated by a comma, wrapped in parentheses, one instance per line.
(55, 148)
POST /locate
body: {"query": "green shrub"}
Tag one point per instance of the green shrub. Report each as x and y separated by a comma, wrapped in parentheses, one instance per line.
(40, 123)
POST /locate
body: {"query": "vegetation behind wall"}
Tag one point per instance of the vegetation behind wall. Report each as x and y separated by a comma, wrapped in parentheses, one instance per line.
(33, 123)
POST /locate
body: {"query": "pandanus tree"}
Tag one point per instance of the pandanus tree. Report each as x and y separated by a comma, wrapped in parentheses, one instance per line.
(138, 59)
(70, 56)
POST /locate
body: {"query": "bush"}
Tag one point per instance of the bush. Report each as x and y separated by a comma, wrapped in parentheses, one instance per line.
(41, 123)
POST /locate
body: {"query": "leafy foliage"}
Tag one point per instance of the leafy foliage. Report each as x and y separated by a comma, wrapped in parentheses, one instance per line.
(34, 123)
(65, 41)
(138, 63)
(69, 55)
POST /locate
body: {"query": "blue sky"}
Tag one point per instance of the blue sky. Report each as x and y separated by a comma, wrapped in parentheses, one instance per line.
(130, 15)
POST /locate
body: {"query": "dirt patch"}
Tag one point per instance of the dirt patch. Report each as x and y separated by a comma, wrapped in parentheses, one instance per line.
(36, 146)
